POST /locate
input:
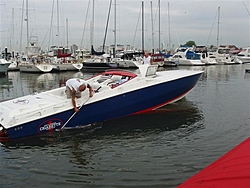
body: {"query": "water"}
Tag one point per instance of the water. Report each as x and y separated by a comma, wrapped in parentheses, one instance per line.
(158, 149)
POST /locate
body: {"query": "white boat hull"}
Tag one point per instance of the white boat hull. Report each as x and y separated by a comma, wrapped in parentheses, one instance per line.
(13, 66)
(4, 66)
(190, 62)
(68, 66)
(36, 68)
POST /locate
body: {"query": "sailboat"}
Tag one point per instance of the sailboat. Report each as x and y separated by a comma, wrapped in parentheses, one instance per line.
(97, 59)
(62, 59)
(32, 61)
(222, 55)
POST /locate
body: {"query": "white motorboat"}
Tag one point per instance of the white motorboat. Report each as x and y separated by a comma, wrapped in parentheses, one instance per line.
(118, 93)
(4, 64)
(208, 59)
(186, 56)
(14, 66)
(223, 56)
(244, 55)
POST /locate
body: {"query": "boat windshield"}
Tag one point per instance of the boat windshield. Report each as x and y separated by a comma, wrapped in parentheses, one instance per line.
(223, 51)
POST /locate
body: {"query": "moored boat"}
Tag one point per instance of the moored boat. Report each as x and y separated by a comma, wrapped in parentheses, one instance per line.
(244, 55)
(64, 62)
(4, 63)
(118, 93)
(186, 56)
(4, 66)
(35, 67)
(66, 65)
(158, 59)
(13, 66)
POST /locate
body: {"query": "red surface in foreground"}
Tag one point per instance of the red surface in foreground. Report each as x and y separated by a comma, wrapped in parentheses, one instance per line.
(232, 170)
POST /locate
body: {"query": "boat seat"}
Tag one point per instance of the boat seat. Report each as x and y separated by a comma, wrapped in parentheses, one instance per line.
(116, 78)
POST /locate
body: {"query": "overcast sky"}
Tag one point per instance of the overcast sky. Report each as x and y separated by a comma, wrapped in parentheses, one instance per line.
(195, 20)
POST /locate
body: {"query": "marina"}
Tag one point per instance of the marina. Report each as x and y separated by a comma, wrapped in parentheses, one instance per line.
(162, 148)
(115, 94)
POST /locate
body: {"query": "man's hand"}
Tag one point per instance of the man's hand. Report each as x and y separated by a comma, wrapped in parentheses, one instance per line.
(76, 110)
(90, 93)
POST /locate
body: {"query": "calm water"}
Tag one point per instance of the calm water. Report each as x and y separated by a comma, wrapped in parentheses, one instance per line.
(159, 149)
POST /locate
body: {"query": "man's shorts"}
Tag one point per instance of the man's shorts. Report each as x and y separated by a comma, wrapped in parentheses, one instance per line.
(69, 93)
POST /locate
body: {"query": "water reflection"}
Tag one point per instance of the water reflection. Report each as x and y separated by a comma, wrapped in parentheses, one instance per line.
(247, 75)
(177, 116)
(5, 81)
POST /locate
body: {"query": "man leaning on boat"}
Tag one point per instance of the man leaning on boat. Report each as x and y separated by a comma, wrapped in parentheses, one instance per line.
(74, 87)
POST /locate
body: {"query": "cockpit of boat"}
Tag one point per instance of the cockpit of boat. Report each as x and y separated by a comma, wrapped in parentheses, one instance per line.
(113, 78)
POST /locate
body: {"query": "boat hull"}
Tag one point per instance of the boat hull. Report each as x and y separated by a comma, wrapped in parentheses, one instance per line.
(188, 62)
(68, 67)
(135, 102)
(125, 63)
(98, 65)
(4, 66)
(13, 66)
(39, 68)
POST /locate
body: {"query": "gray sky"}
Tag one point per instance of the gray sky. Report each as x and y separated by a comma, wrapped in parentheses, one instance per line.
(189, 20)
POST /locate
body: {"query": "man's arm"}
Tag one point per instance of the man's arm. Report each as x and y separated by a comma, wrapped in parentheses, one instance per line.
(73, 98)
(90, 90)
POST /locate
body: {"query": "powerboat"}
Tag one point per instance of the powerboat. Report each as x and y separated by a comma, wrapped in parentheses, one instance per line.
(4, 64)
(117, 93)
(186, 56)
(244, 55)
(224, 57)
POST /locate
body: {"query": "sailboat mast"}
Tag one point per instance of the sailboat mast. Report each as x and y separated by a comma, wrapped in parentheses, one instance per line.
(27, 20)
(92, 25)
(21, 39)
(153, 45)
(105, 35)
(115, 29)
(142, 26)
(169, 38)
(218, 29)
(67, 35)
(12, 30)
(51, 22)
(159, 27)
(58, 42)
